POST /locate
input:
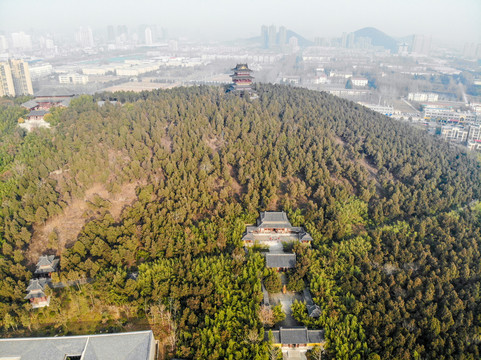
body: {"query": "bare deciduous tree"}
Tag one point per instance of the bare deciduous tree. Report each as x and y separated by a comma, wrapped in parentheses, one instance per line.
(266, 316)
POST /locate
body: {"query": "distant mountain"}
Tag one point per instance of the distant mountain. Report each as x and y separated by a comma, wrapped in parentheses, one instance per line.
(378, 38)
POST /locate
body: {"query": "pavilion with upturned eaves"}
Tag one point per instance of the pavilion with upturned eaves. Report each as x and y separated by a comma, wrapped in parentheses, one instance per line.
(241, 79)
(36, 293)
(46, 265)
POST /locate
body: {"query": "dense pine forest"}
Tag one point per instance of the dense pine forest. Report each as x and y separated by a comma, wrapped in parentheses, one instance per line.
(394, 214)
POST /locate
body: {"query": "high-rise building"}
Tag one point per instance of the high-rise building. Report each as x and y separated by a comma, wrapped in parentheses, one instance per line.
(403, 49)
(272, 36)
(122, 30)
(21, 77)
(21, 41)
(84, 37)
(6, 81)
(421, 44)
(110, 33)
(351, 40)
(173, 45)
(293, 44)
(282, 36)
(15, 78)
(265, 36)
(469, 50)
(148, 36)
(3, 43)
(344, 40)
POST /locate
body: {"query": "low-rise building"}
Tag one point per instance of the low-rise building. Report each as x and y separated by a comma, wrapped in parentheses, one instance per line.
(470, 134)
(474, 132)
(422, 97)
(454, 133)
(73, 78)
(448, 114)
(359, 81)
(340, 74)
(382, 109)
(474, 145)
(39, 70)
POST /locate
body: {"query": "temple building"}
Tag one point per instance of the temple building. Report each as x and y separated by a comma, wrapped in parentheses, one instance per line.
(299, 338)
(47, 102)
(242, 79)
(46, 265)
(36, 293)
(274, 227)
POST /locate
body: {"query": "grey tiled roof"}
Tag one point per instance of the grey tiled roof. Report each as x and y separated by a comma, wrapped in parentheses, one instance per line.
(275, 336)
(315, 336)
(48, 263)
(248, 236)
(37, 284)
(280, 260)
(45, 260)
(305, 236)
(30, 104)
(273, 220)
(313, 311)
(307, 296)
(124, 346)
(295, 335)
(37, 113)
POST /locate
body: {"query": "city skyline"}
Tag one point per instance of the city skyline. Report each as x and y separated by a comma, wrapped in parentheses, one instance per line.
(214, 20)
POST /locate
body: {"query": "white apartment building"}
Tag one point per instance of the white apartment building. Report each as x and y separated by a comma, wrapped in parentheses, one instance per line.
(359, 81)
(421, 97)
(446, 114)
(73, 78)
(37, 71)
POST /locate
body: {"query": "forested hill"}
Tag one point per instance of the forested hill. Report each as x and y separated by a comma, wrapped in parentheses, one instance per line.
(393, 212)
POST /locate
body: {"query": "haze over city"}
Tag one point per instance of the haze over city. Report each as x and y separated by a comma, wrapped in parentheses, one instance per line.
(444, 20)
(248, 180)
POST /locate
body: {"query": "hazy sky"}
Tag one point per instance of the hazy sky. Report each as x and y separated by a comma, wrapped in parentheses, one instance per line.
(449, 20)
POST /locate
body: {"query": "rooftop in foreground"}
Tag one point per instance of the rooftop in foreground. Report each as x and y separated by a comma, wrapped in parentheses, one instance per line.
(121, 346)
